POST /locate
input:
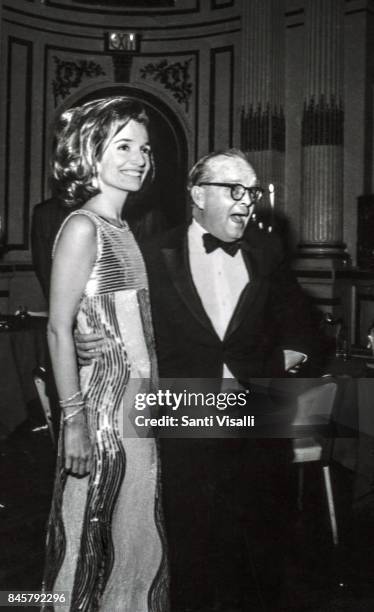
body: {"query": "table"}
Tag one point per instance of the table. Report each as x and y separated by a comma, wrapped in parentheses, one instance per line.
(23, 347)
(364, 483)
(355, 407)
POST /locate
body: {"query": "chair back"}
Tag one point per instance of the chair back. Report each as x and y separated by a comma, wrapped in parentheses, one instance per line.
(39, 377)
(313, 420)
(315, 406)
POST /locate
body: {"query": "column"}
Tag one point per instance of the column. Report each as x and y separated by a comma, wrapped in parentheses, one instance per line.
(262, 120)
(322, 132)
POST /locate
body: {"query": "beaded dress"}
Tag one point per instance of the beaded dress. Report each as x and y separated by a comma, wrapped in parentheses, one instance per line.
(105, 543)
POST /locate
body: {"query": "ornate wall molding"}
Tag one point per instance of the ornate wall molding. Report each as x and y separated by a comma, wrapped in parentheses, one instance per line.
(323, 121)
(130, 3)
(69, 75)
(215, 4)
(174, 77)
(122, 8)
(263, 129)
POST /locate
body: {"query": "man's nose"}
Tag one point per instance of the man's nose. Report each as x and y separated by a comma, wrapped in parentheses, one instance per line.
(246, 199)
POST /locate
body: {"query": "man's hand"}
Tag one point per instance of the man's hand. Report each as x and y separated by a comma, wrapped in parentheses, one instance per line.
(89, 347)
(293, 360)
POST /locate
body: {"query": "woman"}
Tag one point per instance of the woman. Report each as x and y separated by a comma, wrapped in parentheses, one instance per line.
(105, 541)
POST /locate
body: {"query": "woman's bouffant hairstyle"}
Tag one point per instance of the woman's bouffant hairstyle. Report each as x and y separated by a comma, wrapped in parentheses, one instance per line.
(81, 137)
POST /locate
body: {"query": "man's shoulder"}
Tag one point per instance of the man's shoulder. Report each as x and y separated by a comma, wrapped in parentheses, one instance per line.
(261, 238)
(52, 207)
(168, 239)
(47, 204)
(265, 248)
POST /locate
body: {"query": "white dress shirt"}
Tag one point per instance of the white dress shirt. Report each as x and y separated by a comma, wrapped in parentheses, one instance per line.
(219, 279)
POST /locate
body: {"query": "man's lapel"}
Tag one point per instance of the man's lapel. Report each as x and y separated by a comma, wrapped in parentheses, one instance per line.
(248, 296)
(177, 263)
(260, 256)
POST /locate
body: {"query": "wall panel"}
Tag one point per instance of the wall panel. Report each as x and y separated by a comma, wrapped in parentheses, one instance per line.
(18, 142)
(221, 98)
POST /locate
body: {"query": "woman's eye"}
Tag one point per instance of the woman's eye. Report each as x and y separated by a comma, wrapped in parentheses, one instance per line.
(146, 150)
(124, 147)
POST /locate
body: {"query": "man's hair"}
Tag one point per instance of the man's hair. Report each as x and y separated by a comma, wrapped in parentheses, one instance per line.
(200, 172)
(81, 137)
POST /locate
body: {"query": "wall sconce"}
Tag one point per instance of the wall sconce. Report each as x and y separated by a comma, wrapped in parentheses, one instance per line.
(122, 42)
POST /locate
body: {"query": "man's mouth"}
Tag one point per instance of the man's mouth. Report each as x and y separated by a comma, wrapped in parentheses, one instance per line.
(239, 218)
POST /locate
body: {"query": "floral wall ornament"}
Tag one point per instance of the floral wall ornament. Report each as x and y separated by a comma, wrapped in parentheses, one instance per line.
(69, 74)
(174, 77)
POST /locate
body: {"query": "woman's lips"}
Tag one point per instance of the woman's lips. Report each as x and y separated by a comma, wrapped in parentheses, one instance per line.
(136, 173)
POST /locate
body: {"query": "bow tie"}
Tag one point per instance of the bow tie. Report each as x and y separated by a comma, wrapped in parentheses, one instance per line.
(211, 243)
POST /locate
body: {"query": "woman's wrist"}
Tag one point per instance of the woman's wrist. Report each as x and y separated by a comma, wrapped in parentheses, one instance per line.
(77, 420)
(73, 411)
(76, 396)
(73, 400)
(72, 406)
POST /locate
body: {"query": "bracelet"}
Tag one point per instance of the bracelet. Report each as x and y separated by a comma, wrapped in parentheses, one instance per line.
(63, 402)
(73, 404)
(73, 414)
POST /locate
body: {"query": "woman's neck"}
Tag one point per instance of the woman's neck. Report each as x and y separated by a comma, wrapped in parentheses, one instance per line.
(108, 208)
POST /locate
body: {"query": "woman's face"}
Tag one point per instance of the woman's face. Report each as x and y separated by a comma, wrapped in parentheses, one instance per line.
(126, 160)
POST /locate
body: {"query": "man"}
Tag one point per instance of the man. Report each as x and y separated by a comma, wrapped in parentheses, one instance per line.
(217, 313)
(224, 306)
(221, 314)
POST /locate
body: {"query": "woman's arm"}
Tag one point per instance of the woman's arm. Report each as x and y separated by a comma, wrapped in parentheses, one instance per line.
(73, 261)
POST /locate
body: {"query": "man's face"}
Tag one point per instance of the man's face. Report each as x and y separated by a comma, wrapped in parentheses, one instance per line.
(220, 215)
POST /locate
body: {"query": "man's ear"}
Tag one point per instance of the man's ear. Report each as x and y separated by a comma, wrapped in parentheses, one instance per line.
(197, 194)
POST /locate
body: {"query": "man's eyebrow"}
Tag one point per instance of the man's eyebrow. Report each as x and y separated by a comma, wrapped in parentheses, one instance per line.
(233, 182)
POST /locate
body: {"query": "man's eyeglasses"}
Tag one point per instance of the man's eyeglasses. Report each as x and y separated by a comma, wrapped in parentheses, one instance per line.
(237, 191)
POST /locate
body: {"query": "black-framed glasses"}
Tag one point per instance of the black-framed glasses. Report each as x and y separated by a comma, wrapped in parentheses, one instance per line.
(237, 191)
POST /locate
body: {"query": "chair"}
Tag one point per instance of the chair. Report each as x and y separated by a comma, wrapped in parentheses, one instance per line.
(313, 418)
(39, 378)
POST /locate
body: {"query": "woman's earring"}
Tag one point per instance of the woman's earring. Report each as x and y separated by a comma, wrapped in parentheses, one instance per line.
(95, 182)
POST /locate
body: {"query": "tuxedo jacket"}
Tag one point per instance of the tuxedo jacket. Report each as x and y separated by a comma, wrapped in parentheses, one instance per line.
(46, 221)
(272, 313)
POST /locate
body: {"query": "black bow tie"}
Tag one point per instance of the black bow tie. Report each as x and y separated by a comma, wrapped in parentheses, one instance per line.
(211, 243)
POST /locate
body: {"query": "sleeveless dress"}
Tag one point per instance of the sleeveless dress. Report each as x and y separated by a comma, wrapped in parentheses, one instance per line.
(105, 542)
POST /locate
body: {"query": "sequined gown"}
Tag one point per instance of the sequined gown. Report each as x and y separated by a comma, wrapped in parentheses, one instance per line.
(105, 542)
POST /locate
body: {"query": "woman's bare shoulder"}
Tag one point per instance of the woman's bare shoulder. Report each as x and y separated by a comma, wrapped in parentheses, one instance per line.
(77, 236)
(79, 227)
